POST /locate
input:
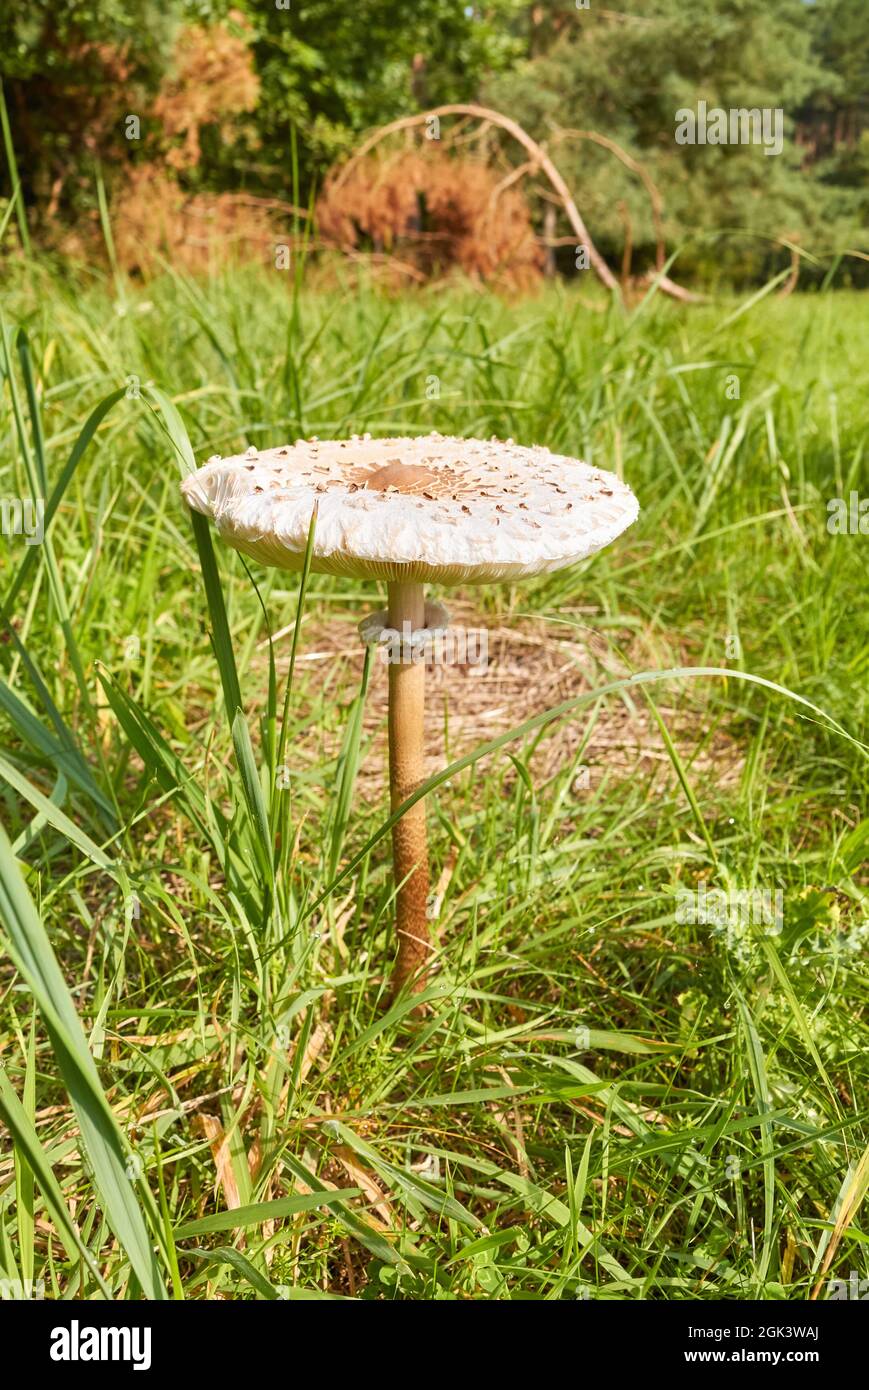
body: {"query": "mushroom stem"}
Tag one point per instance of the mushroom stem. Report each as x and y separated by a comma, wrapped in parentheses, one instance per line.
(406, 772)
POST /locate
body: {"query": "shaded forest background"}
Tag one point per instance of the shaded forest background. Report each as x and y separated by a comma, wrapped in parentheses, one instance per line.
(210, 128)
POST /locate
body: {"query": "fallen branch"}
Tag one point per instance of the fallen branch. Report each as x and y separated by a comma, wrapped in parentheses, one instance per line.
(635, 168)
(677, 291)
(540, 161)
(537, 153)
(790, 283)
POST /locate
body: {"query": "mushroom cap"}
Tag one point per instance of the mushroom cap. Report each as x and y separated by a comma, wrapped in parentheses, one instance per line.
(430, 509)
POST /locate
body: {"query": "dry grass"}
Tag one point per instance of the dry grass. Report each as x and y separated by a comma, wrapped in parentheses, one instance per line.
(531, 667)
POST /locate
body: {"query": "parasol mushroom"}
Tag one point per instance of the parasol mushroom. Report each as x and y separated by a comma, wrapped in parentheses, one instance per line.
(411, 512)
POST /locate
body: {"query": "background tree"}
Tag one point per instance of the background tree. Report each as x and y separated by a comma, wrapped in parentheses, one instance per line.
(71, 74)
(327, 73)
(625, 75)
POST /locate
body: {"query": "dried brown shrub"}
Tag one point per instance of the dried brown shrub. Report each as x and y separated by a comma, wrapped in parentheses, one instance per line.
(436, 212)
(156, 219)
(93, 110)
(213, 78)
(77, 117)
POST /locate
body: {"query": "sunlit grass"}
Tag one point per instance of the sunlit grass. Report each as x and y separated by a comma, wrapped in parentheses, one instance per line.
(601, 1098)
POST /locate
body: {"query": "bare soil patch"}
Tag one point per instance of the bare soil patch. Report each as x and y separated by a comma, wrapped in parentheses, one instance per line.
(532, 665)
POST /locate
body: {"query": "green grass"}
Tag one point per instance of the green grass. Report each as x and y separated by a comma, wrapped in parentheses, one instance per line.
(602, 1098)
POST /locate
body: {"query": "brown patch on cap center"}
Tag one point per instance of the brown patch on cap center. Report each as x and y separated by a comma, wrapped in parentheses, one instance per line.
(405, 477)
(429, 479)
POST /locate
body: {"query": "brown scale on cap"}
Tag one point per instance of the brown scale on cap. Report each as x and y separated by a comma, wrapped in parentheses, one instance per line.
(435, 484)
(404, 477)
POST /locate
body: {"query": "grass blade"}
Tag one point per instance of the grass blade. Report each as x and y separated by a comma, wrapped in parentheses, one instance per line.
(31, 951)
(21, 1127)
(14, 180)
(239, 1218)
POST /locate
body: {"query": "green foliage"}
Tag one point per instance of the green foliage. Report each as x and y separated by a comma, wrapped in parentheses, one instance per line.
(604, 1098)
(335, 71)
(71, 74)
(330, 73)
(626, 76)
(55, 42)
